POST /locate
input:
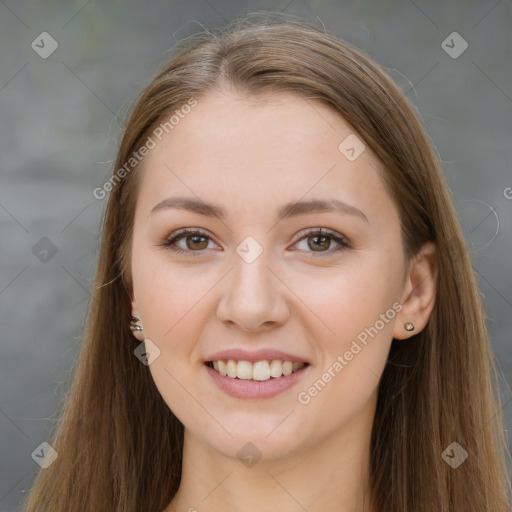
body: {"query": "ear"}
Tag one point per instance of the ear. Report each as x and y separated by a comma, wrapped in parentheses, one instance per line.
(139, 335)
(419, 294)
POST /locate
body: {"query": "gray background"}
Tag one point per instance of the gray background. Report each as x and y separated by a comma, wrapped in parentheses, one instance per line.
(61, 121)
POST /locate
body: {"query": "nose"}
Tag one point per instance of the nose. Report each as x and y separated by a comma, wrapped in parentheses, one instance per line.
(253, 296)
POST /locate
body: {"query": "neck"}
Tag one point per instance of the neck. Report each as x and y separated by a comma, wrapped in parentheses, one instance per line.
(326, 477)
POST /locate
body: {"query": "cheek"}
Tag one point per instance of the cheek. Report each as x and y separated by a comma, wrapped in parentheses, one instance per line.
(346, 379)
(169, 299)
(347, 300)
(355, 306)
(167, 295)
(172, 302)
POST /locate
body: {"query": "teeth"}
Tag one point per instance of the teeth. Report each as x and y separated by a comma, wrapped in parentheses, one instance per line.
(244, 370)
(296, 366)
(231, 368)
(260, 370)
(276, 368)
(222, 368)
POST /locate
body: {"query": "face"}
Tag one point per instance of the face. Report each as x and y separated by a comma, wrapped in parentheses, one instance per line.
(256, 283)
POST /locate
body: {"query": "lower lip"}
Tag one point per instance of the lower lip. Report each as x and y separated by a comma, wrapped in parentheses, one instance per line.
(248, 388)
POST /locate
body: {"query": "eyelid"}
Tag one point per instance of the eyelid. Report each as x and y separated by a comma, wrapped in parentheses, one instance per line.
(324, 231)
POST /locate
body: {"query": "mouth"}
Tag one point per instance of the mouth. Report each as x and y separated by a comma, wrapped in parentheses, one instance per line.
(258, 371)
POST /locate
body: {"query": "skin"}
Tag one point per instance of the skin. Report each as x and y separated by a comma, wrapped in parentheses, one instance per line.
(299, 296)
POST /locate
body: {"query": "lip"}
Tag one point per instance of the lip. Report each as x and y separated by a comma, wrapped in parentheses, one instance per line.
(257, 355)
(252, 389)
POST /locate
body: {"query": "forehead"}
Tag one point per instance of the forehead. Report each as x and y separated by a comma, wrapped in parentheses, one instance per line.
(255, 151)
(229, 126)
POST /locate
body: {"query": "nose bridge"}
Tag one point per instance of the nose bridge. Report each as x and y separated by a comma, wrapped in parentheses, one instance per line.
(251, 284)
(252, 295)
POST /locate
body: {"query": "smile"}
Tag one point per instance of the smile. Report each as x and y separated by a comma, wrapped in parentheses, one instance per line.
(261, 379)
(259, 370)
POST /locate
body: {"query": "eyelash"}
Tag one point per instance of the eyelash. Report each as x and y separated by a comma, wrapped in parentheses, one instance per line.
(184, 233)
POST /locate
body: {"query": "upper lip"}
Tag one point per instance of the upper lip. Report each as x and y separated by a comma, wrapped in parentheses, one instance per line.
(239, 354)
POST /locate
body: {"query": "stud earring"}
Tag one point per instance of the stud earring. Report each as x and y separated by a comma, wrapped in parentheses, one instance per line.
(133, 324)
(409, 326)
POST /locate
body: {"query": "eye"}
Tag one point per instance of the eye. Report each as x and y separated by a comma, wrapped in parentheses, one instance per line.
(196, 239)
(322, 239)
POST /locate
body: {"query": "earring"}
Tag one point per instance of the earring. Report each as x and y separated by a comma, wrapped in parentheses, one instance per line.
(133, 324)
(409, 326)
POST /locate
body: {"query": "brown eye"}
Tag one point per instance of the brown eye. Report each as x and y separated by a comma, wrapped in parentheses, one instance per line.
(320, 242)
(194, 241)
(323, 242)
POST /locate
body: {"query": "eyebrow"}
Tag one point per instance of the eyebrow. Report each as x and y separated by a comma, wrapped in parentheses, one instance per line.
(291, 209)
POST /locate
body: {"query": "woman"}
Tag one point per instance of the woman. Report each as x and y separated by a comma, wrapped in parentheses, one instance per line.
(285, 316)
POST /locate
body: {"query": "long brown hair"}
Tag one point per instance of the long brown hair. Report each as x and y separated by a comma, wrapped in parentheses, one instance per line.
(120, 446)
